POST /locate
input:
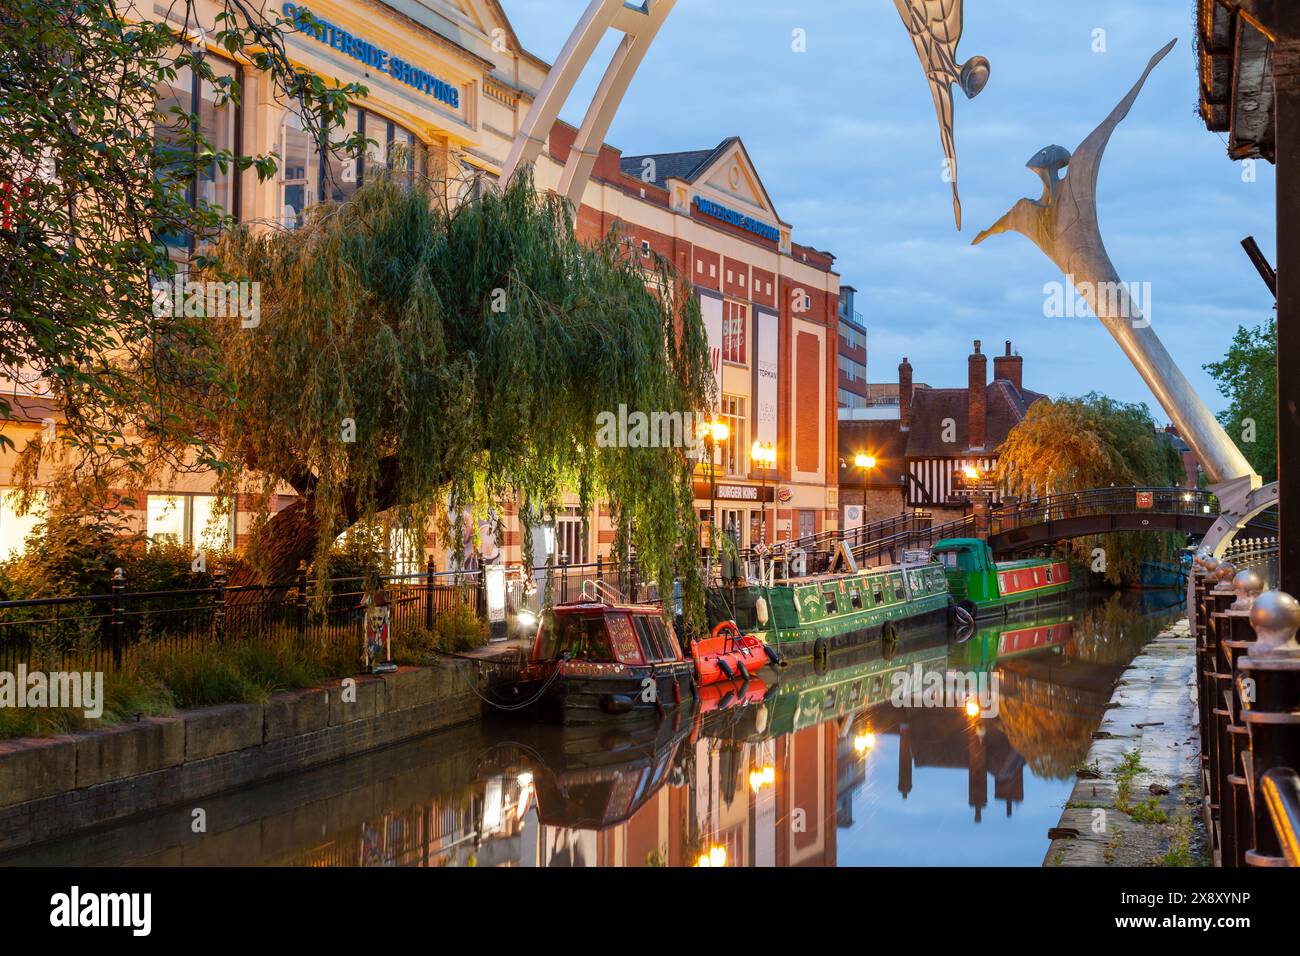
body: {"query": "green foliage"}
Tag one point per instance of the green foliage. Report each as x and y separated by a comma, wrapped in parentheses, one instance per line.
(1075, 444)
(459, 629)
(97, 173)
(1247, 377)
(414, 353)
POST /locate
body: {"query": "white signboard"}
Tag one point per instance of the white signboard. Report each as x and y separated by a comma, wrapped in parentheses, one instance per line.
(711, 311)
(766, 357)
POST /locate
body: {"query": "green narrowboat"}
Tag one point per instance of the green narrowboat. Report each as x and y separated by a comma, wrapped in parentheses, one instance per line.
(984, 587)
(812, 616)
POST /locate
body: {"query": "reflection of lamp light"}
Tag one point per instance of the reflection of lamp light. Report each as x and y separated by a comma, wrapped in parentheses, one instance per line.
(715, 856)
(526, 619)
(864, 742)
(971, 472)
(762, 778)
(972, 707)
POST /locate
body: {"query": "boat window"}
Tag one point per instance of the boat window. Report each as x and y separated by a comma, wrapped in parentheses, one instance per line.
(646, 635)
(899, 593)
(667, 639)
(829, 596)
(582, 638)
(879, 596)
(660, 644)
(949, 558)
(855, 598)
(1049, 572)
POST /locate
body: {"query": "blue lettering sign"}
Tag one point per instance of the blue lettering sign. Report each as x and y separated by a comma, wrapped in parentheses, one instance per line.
(359, 49)
(718, 211)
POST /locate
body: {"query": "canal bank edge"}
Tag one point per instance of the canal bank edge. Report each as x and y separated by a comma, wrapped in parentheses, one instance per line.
(51, 786)
(1137, 798)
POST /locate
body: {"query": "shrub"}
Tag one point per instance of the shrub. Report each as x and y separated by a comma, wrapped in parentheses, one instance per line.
(459, 629)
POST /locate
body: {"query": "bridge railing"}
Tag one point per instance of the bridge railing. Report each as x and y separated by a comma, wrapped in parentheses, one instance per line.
(1101, 501)
(1248, 682)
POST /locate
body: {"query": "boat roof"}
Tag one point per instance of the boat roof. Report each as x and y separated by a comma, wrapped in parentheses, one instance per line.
(577, 607)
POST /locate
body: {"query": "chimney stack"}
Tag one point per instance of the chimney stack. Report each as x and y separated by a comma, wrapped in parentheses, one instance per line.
(1010, 368)
(977, 379)
(904, 395)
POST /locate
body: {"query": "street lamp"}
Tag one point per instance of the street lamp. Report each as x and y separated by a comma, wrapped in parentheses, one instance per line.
(763, 455)
(866, 463)
(713, 433)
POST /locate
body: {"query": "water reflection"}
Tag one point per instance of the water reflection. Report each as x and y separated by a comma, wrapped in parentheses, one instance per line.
(817, 768)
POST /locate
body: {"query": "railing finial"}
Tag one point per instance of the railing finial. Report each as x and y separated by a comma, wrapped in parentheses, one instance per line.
(1275, 617)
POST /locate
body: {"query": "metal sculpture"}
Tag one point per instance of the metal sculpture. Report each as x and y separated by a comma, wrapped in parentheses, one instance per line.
(935, 27)
(1063, 224)
(639, 24)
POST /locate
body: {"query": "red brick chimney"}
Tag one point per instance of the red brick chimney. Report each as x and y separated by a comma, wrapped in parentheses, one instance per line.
(1010, 367)
(977, 379)
(904, 395)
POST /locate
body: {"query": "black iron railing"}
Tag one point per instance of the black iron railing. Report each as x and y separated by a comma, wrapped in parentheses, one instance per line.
(103, 631)
(1248, 682)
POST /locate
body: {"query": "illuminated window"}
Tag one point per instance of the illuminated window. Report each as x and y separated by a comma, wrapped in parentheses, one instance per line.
(192, 520)
(15, 527)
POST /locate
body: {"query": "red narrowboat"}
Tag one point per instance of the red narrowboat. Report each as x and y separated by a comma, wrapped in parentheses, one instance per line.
(594, 661)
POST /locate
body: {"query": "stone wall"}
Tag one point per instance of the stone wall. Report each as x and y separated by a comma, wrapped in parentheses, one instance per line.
(51, 786)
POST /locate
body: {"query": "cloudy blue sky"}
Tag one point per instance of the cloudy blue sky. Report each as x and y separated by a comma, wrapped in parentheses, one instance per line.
(845, 139)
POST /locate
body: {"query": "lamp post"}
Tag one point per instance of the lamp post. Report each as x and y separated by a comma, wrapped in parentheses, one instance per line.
(714, 432)
(865, 462)
(763, 455)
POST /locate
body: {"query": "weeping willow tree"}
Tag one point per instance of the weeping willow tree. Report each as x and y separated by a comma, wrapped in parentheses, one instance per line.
(424, 359)
(1076, 444)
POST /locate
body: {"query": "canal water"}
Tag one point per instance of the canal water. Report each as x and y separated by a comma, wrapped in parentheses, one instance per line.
(852, 764)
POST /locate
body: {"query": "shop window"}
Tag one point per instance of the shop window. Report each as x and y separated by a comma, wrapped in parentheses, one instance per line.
(185, 106)
(733, 332)
(344, 170)
(300, 171)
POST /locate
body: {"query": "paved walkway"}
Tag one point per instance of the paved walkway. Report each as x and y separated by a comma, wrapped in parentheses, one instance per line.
(1136, 801)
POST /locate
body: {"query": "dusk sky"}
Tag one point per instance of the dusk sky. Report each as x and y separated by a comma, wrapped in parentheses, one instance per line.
(845, 139)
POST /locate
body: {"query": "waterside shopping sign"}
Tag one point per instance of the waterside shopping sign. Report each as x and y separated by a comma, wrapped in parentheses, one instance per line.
(369, 54)
(708, 207)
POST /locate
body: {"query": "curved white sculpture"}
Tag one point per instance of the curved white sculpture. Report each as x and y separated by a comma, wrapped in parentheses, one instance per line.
(639, 24)
(1062, 222)
(935, 27)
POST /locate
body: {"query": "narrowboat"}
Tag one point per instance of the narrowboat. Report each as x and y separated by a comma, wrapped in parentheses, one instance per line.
(595, 661)
(811, 616)
(984, 587)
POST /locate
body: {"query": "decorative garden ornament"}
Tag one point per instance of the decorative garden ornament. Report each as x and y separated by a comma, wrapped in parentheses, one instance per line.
(935, 27)
(377, 649)
(1062, 222)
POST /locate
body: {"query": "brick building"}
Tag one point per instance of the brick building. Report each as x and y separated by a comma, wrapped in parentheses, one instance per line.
(770, 307)
(940, 447)
(450, 84)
